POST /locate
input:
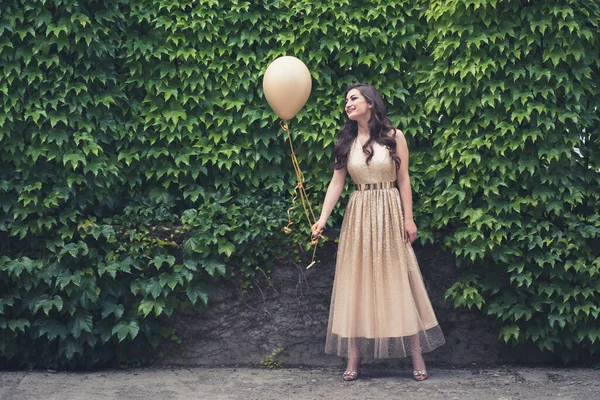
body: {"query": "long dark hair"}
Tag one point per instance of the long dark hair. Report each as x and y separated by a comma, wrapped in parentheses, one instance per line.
(379, 126)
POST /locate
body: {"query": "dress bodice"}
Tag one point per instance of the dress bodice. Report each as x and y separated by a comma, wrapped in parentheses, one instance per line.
(381, 168)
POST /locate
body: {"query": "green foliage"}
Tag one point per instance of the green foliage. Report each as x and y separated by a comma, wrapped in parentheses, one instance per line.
(270, 361)
(515, 163)
(140, 163)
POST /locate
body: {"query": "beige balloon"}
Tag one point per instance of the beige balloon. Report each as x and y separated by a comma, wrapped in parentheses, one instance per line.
(287, 85)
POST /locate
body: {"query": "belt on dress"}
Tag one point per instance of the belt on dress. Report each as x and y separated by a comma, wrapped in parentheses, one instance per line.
(373, 186)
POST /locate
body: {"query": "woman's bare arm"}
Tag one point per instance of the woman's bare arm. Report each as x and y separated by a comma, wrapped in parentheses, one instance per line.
(404, 187)
(334, 191)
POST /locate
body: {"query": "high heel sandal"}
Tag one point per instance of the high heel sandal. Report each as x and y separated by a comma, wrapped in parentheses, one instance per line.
(420, 375)
(350, 376)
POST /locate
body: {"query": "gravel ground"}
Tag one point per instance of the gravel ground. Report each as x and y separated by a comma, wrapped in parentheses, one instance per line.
(506, 383)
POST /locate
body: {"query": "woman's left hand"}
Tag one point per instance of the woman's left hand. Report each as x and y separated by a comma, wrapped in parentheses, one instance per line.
(410, 231)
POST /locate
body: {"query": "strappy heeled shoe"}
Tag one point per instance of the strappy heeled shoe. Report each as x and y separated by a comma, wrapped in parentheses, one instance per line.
(420, 375)
(350, 376)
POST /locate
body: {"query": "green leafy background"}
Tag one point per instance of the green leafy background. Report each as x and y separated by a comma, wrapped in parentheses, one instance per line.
(140, 164)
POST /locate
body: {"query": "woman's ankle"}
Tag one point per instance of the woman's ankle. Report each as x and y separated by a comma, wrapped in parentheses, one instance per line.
(353, 364)
(417, 361)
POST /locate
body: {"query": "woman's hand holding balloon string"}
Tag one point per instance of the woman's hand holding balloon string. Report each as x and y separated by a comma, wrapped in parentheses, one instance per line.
(317, 228)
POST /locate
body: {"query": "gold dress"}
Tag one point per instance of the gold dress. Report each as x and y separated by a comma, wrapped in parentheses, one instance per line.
(379, 305)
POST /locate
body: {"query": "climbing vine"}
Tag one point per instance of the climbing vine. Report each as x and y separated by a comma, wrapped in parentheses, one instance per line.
(140, 163)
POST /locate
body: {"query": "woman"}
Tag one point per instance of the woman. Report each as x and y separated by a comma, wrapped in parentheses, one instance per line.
(379, 306)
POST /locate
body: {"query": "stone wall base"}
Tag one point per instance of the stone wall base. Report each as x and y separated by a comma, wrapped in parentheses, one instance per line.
(290, 310)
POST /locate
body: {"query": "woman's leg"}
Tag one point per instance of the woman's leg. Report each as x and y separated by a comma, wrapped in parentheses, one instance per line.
(353, 366)
(419, 366)
(419, 369)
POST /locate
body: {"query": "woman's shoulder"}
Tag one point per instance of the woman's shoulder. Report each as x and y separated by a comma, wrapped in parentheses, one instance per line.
(395, 133)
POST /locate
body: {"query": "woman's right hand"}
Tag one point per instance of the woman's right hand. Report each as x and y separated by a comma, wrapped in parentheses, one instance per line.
(317, 228)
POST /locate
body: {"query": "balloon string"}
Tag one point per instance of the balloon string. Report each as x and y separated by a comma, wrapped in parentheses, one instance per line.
(300, 190)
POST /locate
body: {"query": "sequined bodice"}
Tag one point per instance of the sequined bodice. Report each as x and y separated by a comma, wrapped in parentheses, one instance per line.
(380, 169)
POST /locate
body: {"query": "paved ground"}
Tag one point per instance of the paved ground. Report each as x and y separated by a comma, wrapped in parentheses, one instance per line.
(506, 383)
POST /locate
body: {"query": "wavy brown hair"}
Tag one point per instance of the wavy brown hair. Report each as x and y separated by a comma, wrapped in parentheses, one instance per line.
(379, 126)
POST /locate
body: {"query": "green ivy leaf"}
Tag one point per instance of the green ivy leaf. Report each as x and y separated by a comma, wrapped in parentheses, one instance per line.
(80, 322)
(213, 266)
(52, 328)
(509, 332)
(18, 324)
(226, 248)
(124, 329)
(198, 291)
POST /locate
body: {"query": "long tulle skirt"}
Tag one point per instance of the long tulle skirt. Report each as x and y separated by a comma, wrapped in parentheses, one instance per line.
(379, 306)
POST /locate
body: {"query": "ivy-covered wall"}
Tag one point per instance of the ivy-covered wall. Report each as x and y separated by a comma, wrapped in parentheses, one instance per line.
(140, 163)
(514, 177)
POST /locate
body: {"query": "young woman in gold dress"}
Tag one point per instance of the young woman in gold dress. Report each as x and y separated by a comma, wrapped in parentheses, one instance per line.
(379, 305)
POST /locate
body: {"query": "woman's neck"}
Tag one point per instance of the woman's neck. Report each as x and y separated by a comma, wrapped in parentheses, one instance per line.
(363, 128)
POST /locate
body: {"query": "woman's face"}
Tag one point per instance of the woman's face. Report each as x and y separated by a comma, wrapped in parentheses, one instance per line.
(357, 107)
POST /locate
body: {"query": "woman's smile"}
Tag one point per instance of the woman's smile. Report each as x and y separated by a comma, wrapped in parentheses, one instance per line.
(356, 105)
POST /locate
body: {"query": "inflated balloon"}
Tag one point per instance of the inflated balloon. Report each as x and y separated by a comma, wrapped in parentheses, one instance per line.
(287, 85)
